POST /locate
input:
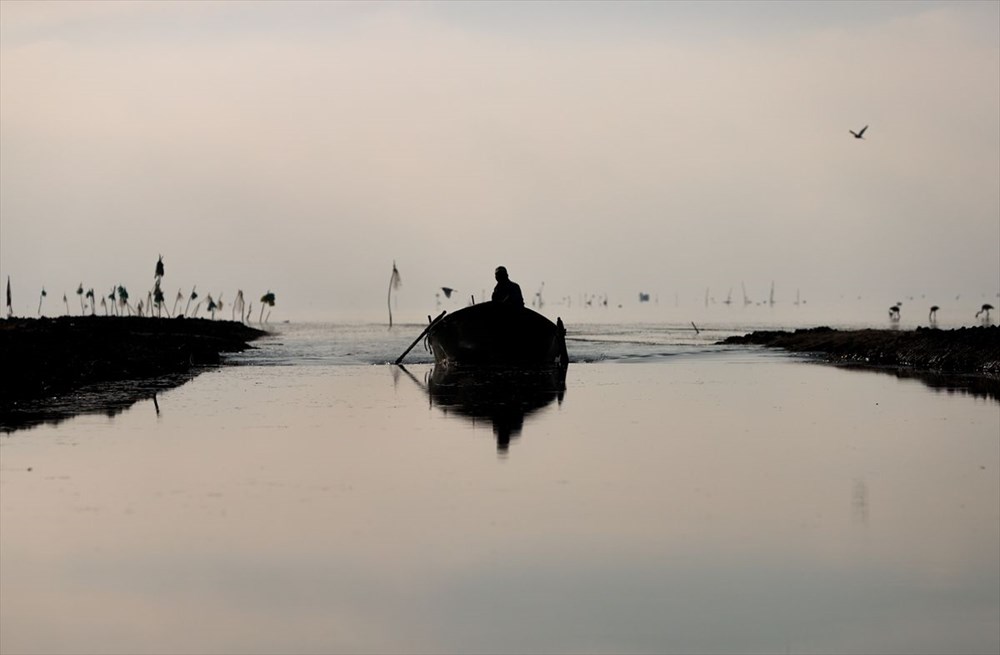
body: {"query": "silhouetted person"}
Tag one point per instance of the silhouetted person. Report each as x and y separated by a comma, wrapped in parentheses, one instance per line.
(507, 292)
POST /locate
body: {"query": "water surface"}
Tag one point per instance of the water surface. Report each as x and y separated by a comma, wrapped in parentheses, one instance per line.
(675, 497)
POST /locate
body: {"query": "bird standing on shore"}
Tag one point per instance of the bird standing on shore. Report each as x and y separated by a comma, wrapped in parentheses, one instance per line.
(860, 134)
(985, 309)
(932, 317)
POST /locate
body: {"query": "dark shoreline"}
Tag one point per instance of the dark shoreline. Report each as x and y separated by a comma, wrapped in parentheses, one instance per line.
(55, 368)
(971, 352)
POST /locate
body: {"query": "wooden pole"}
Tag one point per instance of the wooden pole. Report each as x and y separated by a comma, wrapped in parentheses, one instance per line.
(417, 340)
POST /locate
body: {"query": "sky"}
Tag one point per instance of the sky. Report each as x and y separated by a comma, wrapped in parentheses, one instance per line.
(593, 148)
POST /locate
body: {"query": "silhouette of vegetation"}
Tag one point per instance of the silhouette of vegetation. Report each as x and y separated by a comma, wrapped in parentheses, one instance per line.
(238, 304)
(395, 281)
(267, 300)
(158, 298)
(123, 299)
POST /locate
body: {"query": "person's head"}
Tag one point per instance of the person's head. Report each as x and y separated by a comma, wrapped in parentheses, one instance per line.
(500, 273)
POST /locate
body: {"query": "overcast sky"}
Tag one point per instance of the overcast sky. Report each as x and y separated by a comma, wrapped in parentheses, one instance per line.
(598, 147)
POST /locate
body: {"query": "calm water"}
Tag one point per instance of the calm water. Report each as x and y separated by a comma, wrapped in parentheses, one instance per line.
(674, 497)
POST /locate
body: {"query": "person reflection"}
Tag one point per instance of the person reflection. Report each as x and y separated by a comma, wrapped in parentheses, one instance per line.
(506, 427)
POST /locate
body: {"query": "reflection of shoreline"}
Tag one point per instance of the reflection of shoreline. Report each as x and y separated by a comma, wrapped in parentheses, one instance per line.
(505, 397)
(965, 385)
(108, 398)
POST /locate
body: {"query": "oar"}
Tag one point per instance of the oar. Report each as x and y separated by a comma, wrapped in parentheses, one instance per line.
(426, 330)
(415, 380)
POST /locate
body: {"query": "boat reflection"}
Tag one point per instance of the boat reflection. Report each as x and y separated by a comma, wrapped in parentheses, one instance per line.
(505, 397)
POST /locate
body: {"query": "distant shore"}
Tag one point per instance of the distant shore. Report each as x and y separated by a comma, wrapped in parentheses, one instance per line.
(48, 361)
(964, 351)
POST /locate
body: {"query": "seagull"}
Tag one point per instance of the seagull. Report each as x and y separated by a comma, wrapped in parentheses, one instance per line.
(859, 135)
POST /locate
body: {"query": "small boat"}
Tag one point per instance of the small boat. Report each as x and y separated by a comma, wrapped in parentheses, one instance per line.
(493, 334)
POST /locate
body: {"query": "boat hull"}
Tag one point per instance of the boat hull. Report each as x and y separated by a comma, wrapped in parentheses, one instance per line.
(491, 334)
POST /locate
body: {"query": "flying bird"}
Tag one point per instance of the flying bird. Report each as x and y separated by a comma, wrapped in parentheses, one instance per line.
(859, 135)
(447, 291)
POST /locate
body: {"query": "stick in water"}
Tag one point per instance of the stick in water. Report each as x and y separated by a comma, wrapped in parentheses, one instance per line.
(426, 330)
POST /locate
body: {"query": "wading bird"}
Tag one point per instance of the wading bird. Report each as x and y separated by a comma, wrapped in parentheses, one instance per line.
(985, 309)
(537, 300)
(859, 135)
(932, 317)
(40, 299)
(894, 313)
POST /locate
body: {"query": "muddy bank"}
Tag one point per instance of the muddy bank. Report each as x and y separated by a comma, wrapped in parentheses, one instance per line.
(54, 368)
(966, 351)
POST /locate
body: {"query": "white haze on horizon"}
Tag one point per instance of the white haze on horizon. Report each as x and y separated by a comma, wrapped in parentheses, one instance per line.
(601, 148)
